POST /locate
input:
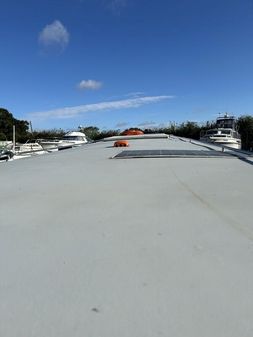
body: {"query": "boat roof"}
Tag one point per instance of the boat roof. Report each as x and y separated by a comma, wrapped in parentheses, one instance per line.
(145, 244)
(74, 133)
(226, 117)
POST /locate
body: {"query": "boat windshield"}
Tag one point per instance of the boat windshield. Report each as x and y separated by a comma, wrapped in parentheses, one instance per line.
(226, 132)
(219, 132)
(73, 138)
(228, 123)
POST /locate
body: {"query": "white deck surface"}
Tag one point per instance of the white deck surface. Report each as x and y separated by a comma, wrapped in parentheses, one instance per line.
(98, 247)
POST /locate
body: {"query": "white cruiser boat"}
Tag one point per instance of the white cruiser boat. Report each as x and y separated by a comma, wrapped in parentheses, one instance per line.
(76, 138)
(28, 147)
(72, 138)
(225, 133)
(54, 144)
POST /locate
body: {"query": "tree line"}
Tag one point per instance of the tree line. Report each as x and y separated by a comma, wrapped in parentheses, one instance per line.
(186, 129)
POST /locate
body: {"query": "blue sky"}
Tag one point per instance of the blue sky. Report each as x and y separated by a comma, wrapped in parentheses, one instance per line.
(123, 63)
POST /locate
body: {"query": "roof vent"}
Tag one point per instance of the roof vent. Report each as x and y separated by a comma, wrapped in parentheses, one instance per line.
(121, 143)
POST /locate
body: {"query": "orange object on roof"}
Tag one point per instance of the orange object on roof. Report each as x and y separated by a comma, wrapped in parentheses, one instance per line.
(121, 143)
(132, 132)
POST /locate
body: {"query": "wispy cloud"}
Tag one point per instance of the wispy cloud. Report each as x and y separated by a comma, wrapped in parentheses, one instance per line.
(89, 85)
(54, 35)
(135, 94)
(71, 112)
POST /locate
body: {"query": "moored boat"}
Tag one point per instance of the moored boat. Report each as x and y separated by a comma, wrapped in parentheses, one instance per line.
(5, 154)
(70, 139)
(225, 133)
(51, 145)
(28, 147)
(76, 138)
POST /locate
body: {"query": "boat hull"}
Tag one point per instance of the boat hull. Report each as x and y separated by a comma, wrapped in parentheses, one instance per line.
(233, 143)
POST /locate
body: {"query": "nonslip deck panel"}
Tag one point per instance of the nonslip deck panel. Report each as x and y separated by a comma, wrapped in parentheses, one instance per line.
(171, 154)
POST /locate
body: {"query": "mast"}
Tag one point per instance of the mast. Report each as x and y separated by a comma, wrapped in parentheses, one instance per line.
(31, 127)
(14, 137)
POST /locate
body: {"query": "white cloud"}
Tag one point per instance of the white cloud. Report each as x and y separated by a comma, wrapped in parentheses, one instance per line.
(135, 94)
(71, 112)
(89, 85)
(54, 35)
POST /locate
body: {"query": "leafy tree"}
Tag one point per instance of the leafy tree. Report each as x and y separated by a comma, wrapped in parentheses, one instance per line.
(107, 133)
(188, 130)
(91, 132)
(47, 134)
(6, 126)
(245, 128)
(2, 136)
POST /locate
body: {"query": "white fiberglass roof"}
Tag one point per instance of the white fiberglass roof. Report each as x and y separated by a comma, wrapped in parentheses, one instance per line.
(141, 247)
